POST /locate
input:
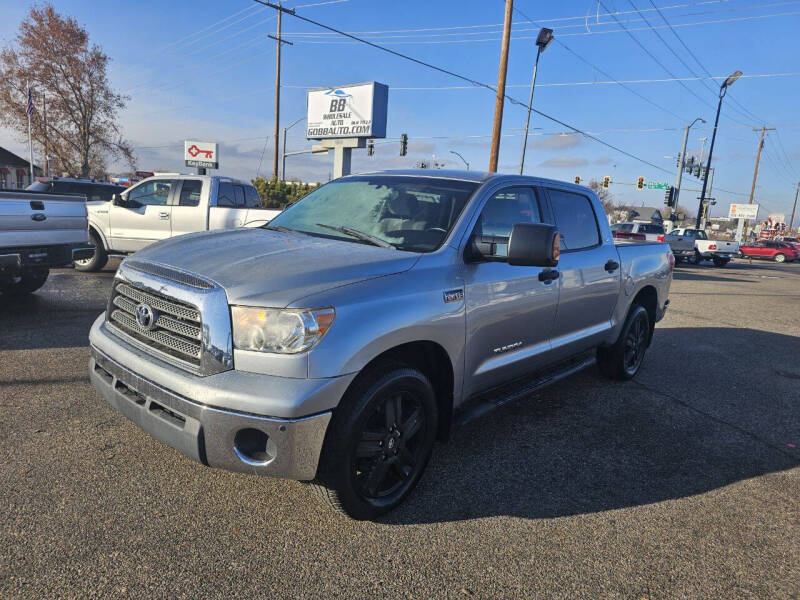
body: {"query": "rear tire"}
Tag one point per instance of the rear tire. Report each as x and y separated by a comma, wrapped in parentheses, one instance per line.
(378, 442)
(98, 260)
(721, 262)
(27, 282)
(779, 258)
(623, 360)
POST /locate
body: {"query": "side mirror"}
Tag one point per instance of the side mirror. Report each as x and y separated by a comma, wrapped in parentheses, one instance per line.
(117, 200)
(534, 245)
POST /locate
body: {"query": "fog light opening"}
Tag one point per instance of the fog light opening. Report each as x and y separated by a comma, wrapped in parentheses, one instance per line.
(250, 446)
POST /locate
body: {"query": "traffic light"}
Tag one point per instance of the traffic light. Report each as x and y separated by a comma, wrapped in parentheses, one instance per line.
(640, 183)
(370, 147)
(577, 179)
(689, 164)
(606, 181)
(696, 170)
(703, 172)
(403, 144)
(669, 196)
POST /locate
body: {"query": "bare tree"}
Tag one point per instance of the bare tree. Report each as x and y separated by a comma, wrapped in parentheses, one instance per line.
(606, 198)
(52, 54)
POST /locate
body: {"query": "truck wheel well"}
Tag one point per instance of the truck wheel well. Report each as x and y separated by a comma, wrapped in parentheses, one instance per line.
(647, 298)
(93, 231)
(432, 360)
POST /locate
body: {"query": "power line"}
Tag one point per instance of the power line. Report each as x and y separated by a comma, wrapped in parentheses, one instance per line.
(212, 25)
(463, 78)
(785, 154)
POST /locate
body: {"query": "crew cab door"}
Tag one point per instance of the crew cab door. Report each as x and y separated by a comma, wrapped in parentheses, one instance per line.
(509, 310)
(189, 208)
(143, 217)
(230, 209)
(590, 269)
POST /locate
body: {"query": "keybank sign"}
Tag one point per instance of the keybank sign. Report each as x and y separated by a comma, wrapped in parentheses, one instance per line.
(350, 111)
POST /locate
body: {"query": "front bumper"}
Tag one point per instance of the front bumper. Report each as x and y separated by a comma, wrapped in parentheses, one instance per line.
(215, 437)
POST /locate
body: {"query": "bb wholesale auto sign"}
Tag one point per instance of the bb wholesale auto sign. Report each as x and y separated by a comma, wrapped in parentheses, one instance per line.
(743, 211)
(349, 111)
(200, 154)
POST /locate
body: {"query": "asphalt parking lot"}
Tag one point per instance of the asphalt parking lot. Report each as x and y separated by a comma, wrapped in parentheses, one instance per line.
(682, 483)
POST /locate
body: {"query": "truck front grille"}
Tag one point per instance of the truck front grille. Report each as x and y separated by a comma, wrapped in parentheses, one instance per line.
(176, 330)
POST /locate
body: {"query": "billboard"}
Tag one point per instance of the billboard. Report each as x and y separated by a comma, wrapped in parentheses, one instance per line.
(743, 211)
(350, 111)
(200, 154)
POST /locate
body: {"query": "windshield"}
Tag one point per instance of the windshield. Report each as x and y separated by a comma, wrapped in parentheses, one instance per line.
(409, 213)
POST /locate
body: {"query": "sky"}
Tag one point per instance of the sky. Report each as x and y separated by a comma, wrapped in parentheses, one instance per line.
(632, 78)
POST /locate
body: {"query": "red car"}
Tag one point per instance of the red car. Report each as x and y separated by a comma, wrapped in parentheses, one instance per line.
(769, 249)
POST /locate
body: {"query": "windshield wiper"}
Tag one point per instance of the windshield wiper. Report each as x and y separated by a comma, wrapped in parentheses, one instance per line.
(279, 228)
(365, 237)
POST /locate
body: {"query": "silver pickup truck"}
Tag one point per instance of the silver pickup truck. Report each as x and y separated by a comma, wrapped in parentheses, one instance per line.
(38, 231)
(337, 343)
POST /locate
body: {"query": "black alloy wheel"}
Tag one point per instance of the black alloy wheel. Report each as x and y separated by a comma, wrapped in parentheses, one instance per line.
(635, 345)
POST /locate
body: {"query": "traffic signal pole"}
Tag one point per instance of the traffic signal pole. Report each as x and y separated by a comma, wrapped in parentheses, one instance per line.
(679, 176)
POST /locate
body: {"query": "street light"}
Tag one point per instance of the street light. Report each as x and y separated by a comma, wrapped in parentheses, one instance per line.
(723, 89)
(283, 154)
(461, 157)
(542, 42)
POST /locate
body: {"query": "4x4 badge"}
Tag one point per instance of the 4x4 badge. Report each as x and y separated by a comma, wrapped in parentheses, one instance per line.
(453, 295)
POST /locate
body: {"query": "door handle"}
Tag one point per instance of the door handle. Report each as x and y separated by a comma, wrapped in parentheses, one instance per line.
(612, 265)
(549, 275)
(164, 215)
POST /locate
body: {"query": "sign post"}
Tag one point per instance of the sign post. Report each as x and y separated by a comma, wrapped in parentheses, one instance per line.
(742, 212)
(344, 117)
(203, 155)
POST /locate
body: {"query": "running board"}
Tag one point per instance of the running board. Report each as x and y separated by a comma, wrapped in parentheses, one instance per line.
(486, 402)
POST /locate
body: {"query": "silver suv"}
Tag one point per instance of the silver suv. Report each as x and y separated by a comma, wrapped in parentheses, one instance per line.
(337, 343)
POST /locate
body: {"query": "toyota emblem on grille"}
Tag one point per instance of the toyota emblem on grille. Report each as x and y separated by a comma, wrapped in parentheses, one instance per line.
(145, 316)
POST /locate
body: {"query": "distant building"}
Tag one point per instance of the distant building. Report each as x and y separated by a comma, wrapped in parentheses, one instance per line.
(15, 171)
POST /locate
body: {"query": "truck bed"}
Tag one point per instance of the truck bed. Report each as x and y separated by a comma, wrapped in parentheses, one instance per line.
(34, 219)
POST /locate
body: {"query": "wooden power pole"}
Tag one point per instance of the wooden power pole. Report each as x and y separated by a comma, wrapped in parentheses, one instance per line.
(764, 129)
(501, 88)
(791, 221)
(278, 42)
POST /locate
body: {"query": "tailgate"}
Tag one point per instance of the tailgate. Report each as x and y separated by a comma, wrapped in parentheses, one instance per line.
(36, 220)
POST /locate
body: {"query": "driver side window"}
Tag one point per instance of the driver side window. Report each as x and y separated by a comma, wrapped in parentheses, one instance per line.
(502, 211)
(155, 193)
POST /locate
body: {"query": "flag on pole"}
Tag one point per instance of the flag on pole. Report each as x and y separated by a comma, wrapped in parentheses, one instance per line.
(30, 109)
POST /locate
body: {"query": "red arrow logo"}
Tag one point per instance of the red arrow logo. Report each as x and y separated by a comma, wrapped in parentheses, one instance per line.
(194, 151)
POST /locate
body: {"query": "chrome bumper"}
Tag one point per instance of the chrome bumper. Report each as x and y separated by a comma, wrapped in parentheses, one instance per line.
(216, 437)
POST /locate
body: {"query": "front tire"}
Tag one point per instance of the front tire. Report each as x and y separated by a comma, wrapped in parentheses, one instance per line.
(694, 259)
(378, 442)
(27, 282)
(623, 360)
(99, 258)
(779, 258)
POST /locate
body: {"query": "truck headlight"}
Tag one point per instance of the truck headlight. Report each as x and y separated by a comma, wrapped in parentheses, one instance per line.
(279, 330)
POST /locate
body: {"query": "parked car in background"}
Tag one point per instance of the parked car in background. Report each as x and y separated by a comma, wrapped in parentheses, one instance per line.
(38, 231)
(93, 190)
(337, 343)
(164, 206)
(653, 232)
(770, 250)
(718, 251)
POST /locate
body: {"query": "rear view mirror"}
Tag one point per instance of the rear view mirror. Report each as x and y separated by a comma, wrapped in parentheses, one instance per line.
(534, 245)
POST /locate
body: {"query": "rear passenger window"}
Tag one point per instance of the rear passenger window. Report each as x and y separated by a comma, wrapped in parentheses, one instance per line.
(251, 198)
(238, 190)
(226, 196)
(190, 192)
(575, 220)
(504, 210)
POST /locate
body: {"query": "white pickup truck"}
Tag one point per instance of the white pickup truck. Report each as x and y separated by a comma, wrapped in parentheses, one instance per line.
(717, 251)
(164, 206)
(38, 231)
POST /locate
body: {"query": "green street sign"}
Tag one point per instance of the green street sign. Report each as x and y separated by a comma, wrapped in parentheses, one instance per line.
(657, 185)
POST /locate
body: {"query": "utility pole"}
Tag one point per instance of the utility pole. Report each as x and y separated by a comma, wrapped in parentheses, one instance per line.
(791, 221)
(278, 42)
(501, 88)
(764, 129)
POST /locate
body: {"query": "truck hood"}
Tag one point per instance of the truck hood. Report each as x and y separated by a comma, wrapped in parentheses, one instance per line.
(262, 267)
